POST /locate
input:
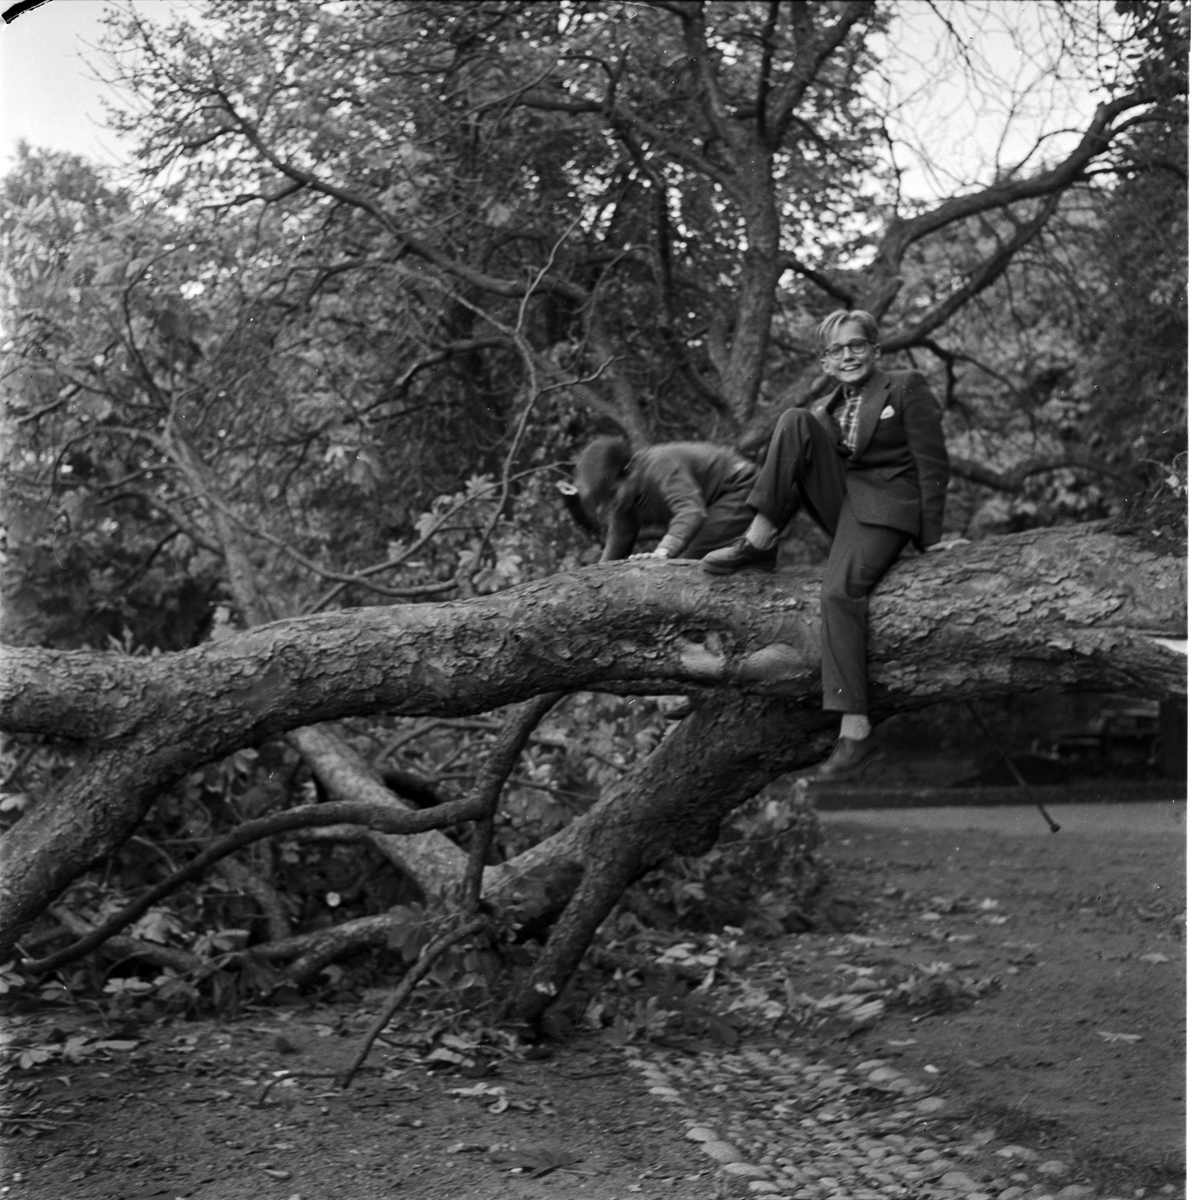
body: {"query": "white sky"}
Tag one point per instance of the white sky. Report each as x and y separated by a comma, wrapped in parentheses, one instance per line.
(50, 96)
(46, 94)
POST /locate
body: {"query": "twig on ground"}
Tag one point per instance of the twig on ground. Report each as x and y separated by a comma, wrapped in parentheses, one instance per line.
(412, 978)
(260, 1100)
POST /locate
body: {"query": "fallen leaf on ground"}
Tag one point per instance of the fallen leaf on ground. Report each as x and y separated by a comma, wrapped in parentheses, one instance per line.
(479, 1089)
(446, 1057)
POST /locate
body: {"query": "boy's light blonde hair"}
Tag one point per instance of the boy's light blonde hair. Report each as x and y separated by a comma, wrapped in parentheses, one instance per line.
(832, 322)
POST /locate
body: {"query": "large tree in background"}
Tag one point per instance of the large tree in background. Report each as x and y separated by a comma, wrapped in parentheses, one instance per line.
(381, 266)
(649, 173)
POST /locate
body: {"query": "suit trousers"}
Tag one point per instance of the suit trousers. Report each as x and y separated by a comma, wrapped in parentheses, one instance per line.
(803, 466)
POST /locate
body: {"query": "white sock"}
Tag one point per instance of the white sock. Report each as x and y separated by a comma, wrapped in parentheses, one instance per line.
(762, 533)
(855, 726)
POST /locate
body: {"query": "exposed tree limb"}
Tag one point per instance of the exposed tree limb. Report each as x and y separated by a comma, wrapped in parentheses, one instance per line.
(510, 742)
(824, 283)
(901, 233)
(386, 818)
(979, 280)
(1013, 480)
(1073, 608)
(428, 857)
(729, 748)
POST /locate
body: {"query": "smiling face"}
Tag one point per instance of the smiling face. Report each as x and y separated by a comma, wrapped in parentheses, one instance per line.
(849, 356)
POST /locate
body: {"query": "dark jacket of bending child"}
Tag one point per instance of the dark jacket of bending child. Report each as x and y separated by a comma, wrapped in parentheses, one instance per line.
(695, 491)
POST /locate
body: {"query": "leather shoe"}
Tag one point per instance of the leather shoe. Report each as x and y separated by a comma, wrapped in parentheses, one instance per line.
(738, 556)
(849, 757)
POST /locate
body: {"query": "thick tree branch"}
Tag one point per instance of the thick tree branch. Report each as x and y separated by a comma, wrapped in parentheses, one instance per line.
(810, 54)
(729, 748)
(980, 279)
(1075, 608)
(428, 857)
(902, 233)
(711, 97)
(597, 626)
(824, 283)
(765, 74)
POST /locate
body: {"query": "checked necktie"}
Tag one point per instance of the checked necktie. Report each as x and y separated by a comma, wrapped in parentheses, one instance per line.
(849, 419)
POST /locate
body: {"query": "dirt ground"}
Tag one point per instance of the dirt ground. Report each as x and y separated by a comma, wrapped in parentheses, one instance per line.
(1048, 1015)
(1085, 1040)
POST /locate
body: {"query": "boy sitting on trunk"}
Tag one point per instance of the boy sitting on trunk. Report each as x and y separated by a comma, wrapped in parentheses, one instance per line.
(870, 464)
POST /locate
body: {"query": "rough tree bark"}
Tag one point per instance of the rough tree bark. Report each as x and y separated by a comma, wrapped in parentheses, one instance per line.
(1074, 609)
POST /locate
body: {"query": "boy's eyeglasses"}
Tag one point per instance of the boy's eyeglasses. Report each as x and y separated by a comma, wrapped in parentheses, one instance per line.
(837, 352)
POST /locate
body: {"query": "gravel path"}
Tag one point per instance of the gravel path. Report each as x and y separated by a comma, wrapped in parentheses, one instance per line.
(785, 1126)
(821, 1119)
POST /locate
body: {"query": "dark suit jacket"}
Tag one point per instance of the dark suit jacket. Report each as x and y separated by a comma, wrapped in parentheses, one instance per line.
(674, 485)
(897, 475)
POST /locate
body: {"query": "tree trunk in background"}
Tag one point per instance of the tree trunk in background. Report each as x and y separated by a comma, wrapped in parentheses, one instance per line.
(756, 294)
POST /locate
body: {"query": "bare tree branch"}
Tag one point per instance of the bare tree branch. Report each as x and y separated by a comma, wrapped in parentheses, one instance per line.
(903, 233)
(983, 277)
(811, 53)
(445, 262)
(383, 818)
(1013, 480)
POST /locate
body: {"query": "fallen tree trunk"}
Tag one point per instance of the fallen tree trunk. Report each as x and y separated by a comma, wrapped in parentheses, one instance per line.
(1074, 609)
(672, 803)
(429, 857)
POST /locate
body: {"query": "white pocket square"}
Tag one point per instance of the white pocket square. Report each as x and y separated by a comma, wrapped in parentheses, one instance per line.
(886, 412)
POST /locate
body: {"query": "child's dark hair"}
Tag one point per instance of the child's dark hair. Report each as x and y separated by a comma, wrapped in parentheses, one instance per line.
(600, 467)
